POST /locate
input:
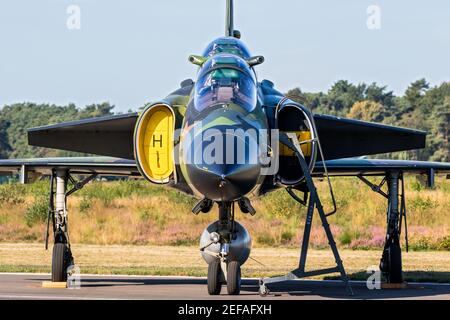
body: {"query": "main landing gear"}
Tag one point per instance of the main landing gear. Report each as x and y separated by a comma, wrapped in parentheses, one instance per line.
(62, 259)
(225, 246)
(57, 214)
(391, 260)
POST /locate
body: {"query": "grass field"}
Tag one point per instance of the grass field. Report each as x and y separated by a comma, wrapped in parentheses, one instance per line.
(181, 260)
(131, 227)
(137, 213)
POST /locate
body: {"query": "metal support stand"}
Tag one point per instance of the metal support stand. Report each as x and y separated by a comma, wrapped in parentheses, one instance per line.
(314, 203)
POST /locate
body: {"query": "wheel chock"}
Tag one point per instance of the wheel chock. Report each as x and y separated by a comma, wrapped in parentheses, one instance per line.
(54, 285)
(402, 285)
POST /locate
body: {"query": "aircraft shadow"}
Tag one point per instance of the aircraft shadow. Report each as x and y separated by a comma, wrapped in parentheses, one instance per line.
(430, 287)
(409, 276)
(324, 289)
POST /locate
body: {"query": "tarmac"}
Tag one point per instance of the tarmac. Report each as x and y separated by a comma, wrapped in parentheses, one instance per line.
(26, 286)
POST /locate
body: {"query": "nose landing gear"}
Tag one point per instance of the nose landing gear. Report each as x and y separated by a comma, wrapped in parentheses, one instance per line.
(225, 246)
(221, 271)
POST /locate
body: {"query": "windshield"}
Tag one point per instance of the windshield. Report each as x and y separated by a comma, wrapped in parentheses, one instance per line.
(225, 79)
(227, 45)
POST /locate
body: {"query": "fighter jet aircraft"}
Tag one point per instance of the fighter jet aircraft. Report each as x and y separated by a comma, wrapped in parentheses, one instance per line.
(226, 138)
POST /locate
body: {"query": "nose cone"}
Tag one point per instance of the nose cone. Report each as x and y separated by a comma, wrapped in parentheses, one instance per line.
(224, 182)
(225, 165)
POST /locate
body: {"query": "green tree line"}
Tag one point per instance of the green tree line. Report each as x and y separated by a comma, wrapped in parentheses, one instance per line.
(15, 119)
(421, 107)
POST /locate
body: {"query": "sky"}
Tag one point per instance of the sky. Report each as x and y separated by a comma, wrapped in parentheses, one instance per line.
(130, 52)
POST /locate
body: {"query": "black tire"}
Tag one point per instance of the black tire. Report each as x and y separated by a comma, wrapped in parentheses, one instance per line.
(214, 278)
(234, 278)
(60, 262)
(395, 264)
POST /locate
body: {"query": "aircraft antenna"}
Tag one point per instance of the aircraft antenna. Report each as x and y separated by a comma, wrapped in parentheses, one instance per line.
(229, 24)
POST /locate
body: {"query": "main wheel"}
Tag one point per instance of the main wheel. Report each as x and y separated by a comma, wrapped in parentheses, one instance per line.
(60, 262)
(233, 278)
(395, 264)
(214, 278)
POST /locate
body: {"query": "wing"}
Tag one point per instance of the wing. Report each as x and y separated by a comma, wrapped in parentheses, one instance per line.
(345, 138)
(355, 167)
(107, 136)
(30, 169)
(113, 136)
(82, 165)
(110, 136)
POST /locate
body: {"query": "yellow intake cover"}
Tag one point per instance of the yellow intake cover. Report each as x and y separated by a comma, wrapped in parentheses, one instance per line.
(153, 143)
(306, 148)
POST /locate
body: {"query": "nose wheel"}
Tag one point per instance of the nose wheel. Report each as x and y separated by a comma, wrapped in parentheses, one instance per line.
(233, 278)
(216, 277)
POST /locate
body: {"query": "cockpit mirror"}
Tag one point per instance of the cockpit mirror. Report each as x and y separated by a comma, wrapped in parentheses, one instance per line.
(197, 60)
(254, 61)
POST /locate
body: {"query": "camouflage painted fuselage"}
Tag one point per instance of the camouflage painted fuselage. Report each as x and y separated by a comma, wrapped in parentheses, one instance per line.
(224, 102)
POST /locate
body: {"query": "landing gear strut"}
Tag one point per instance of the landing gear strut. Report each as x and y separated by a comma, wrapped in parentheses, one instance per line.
(391, 261)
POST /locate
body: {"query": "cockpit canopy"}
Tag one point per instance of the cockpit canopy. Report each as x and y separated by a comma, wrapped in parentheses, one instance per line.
(224, 79)
(227, 45)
